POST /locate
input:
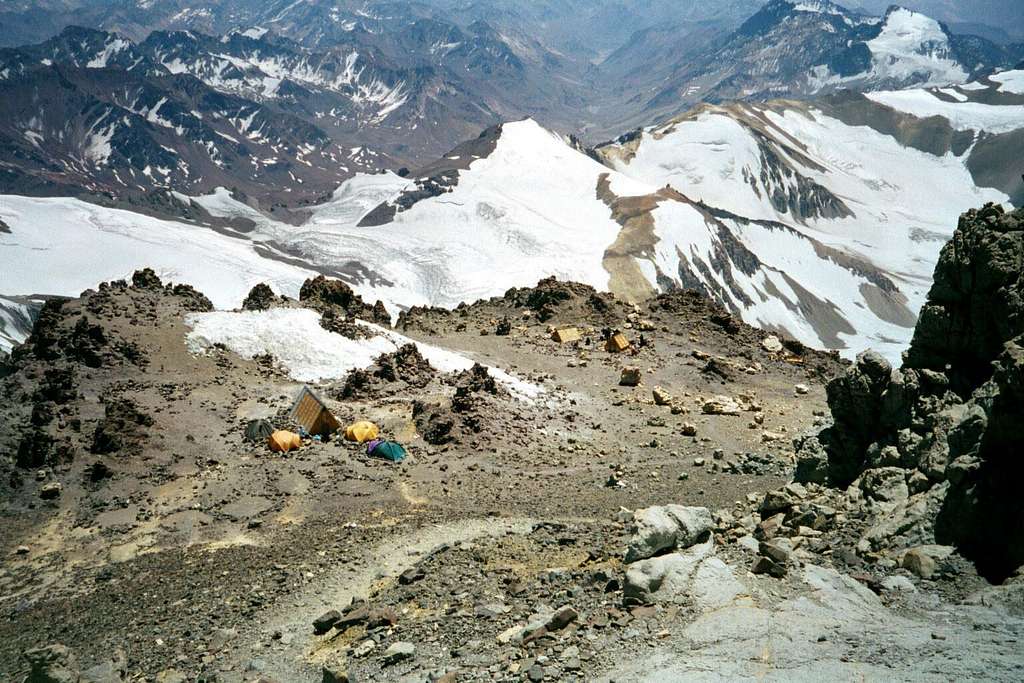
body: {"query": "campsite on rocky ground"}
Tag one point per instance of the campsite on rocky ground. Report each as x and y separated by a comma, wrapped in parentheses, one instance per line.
(553, 484)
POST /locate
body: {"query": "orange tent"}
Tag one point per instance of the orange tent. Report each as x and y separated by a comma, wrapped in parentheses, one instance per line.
(282, 441)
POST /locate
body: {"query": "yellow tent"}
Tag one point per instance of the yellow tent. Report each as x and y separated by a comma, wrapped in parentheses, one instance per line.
(282, 441)
(361, 432)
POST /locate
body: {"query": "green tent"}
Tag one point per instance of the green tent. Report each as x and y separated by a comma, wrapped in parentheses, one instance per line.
(258, 431)
(389, 450)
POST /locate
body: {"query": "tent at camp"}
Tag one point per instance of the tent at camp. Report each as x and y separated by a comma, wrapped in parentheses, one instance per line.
(258, 430)
(314, 416)
(388, 450)
(565, 335)
(361, 432)
(283, 441)
(616, 343)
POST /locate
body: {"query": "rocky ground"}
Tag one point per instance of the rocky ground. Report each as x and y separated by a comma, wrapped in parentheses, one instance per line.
(642, 504)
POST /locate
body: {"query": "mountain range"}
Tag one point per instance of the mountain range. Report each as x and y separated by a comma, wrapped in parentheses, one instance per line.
(283, 114)
(784, 164)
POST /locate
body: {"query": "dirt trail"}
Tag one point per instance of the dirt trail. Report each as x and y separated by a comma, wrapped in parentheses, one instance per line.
(299, 660)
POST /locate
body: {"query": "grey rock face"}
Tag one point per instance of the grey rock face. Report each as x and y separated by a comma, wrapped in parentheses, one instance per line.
(694, 576)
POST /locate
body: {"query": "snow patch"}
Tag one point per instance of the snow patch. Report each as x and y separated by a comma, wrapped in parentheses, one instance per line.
(101, 59)
(977, 116)
(1010, 81)
(312, 354)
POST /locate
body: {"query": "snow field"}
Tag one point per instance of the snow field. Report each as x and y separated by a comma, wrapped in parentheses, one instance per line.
(312, 354)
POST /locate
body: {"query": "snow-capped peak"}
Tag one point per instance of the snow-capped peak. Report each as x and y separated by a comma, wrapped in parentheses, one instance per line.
(819, 6)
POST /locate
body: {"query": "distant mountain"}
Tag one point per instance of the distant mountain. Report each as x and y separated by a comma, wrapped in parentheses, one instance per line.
(797, 49)
(433, 72)
(90, 112)
(251, 110)
(583, 29)
(1001, 17)
(590, 30)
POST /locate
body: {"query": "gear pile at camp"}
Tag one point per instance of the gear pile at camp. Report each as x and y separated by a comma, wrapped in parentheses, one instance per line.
(314, 423)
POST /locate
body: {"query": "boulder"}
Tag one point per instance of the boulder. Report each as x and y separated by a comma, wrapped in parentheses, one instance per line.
(630, 377)
(693, 576)
(326, 621)
(398, 652)
(539, 623)
(260, 298)
(114, 670)
(766, 565)
(770, 527)
(334, 673)
(721, 405)
(898, 584)
(661, 397)
(171, 676)
(51, 491)
(146, 279)
(778, 551)
(885, 484)
(668, 527)
(920, 563)
(781, 500)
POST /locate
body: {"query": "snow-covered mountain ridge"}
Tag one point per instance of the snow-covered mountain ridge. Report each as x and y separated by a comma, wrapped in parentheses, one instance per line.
(820, 220)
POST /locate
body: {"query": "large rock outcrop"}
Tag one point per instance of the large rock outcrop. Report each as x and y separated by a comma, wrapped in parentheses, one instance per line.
(976, 303)
(950, 418)
(334, 296)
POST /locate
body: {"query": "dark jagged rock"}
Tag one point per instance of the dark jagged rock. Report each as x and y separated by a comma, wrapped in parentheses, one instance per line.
(434, 422)
(467, 412)
(78, 335)
(59, 386)
(122, 430)
(260, 298)
(44, 340)
(400, 369)
(52, 664)
(339, 322)
(469, 403)
(34, 450)
(950, 418)
(976, 303)
(405, 365)
(380, 314)
(983, 513)
(323, 294)
(856, 402)
(146, 279)
(194, 300)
